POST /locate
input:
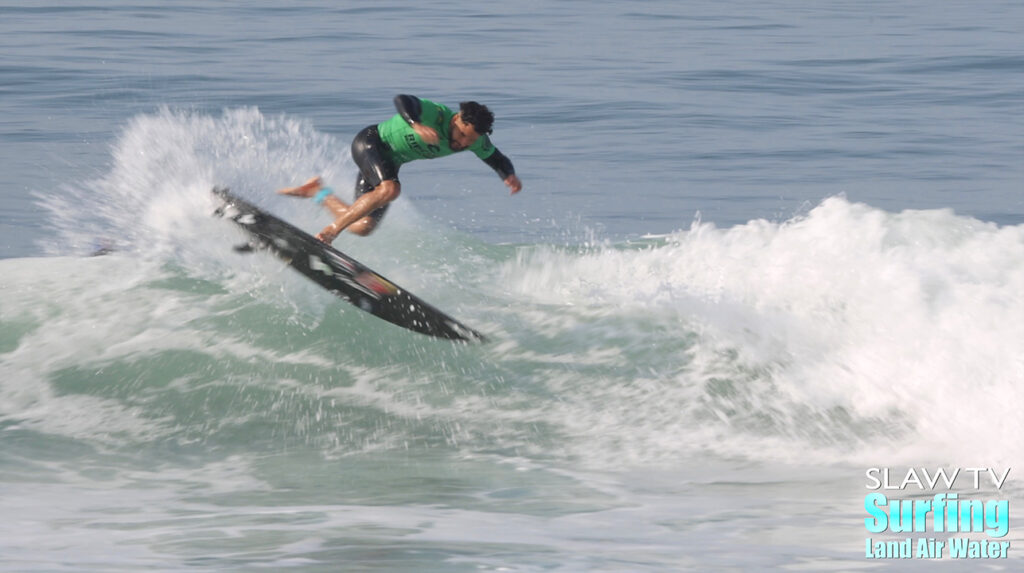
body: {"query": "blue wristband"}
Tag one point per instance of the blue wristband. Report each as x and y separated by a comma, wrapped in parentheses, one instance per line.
(320, 197)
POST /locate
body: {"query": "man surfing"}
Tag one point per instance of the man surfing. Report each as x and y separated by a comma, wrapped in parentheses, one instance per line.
(421, 129)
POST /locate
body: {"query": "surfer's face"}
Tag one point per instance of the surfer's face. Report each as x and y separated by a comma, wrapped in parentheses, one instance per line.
(463, 134)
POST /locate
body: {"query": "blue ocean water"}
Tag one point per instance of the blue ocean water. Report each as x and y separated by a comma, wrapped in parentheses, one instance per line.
(761, 247)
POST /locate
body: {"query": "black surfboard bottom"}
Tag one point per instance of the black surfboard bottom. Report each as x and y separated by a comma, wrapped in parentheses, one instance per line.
(337, 272)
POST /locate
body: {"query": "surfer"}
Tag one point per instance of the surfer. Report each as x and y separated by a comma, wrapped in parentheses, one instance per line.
(421, 129)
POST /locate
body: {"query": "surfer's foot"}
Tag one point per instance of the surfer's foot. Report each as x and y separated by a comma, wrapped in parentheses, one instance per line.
(307, 189)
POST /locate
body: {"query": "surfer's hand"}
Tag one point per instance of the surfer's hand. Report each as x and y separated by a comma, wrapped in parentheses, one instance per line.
(427, 134)
(514, 183)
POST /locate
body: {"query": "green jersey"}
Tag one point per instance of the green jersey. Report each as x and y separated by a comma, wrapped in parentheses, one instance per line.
(406, 146)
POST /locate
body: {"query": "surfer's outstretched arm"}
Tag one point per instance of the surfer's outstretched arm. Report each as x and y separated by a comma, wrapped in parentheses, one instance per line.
(502, 165)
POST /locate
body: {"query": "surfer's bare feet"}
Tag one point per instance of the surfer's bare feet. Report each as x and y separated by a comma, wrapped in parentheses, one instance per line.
(307, 189)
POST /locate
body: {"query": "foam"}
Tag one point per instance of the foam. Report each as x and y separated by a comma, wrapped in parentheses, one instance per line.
(851, 329)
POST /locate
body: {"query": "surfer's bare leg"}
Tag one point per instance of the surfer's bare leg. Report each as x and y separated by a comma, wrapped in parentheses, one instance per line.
(311, 188)
(307, 189)
(352, 217)
(355, 217)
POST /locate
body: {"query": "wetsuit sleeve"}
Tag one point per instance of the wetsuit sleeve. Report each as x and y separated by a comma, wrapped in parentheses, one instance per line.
(500, 164)
(409, 107)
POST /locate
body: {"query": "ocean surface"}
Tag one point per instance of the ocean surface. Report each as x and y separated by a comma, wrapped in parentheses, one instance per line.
(762, 248)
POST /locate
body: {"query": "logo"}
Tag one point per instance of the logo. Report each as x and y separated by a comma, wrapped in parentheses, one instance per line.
(367, 282)
(376, 283)
(959, 502)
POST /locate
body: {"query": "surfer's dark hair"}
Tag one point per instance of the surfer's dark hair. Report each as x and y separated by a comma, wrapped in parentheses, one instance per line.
(477, 115)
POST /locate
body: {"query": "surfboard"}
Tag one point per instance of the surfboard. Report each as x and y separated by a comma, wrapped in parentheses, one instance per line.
(337, 272)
